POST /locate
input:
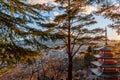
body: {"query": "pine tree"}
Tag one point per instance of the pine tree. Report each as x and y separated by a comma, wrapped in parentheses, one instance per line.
(74, 25)
(18, 20)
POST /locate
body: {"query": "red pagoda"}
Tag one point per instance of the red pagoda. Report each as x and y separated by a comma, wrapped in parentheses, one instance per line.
(106, 65)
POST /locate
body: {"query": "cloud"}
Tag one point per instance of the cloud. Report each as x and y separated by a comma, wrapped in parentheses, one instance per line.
(37, 1)
(89, 9)
(41, 1)
(56, 13)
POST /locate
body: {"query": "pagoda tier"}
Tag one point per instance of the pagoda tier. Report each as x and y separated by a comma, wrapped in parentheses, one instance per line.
(104, 56)
(107, 67)
(99, 64)
(101, 74)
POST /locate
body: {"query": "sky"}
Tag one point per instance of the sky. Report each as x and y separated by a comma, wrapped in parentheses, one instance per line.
(40, 1)
(112, 35)
(102, 22)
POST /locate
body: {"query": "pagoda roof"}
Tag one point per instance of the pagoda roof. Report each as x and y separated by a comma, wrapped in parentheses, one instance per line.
(103, 48)
(98, 48)
(97, 63)
(104, 56)
(96, 71)
(102, 74)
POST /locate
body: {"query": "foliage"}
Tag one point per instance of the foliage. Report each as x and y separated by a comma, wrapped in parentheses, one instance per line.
(15, 17)
(89, 56)
(19, 20)
(75, 26)
(80, 23)
(111, 11)
(11, 54)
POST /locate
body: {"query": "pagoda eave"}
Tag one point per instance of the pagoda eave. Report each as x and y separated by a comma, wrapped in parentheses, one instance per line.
(107, 57)
(101, 74)
(97, 63)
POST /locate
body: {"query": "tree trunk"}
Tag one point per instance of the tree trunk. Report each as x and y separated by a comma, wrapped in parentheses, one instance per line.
(70, 68)
(69, 45)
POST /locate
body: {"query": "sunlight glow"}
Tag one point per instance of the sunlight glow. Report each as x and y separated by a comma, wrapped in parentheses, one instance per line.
(39, 1)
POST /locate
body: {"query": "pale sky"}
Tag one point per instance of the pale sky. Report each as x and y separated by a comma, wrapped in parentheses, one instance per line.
(36, 1)
(101, 21)
(39, 1)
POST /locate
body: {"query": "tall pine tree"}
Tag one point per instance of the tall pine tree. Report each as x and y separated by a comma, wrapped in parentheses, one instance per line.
(18, 21)
(74, 24)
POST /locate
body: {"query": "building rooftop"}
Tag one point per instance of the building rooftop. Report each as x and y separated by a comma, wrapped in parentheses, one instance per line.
(97, 63)
(101, 74)
(102, 48)
(105, 49)
(104, 56)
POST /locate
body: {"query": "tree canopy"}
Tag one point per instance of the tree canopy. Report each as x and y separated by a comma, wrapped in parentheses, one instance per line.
(109, 9)
(80, 22)
(75, 25)
(18, 20)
